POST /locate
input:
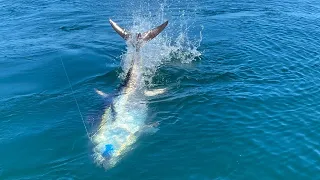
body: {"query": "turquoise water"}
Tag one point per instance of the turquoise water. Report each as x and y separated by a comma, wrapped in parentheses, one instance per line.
(242, 81)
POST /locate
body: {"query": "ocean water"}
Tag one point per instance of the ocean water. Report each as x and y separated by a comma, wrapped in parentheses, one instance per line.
(242, 79)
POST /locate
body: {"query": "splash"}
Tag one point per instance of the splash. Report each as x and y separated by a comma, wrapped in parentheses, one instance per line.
(174, 44)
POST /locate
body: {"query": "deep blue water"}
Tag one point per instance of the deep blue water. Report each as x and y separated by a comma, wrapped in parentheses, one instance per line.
(243, 80)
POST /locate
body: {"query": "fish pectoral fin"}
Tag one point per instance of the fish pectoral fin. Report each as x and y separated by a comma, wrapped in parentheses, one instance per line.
(148, 129)
(154, 124)
(155, 92)
(104, 95)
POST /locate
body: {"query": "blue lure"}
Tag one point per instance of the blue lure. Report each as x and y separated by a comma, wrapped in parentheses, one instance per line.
(108, 151)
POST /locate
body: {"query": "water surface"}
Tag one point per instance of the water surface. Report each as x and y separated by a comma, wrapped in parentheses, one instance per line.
(242, 77)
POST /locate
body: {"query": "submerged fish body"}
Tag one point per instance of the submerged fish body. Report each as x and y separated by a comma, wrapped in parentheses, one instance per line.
(124, 119)
(120, 124)
(118, 132)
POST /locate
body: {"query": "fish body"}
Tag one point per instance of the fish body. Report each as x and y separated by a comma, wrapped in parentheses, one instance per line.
(124, 118)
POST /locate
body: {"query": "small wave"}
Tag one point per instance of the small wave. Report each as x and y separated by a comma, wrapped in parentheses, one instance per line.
(74, 27)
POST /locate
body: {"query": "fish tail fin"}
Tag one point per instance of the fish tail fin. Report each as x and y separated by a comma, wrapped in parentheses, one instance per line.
(139, 38)
(147, 36)
(122, 32)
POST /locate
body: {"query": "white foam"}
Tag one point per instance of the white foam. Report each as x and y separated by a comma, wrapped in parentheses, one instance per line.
(171, 44)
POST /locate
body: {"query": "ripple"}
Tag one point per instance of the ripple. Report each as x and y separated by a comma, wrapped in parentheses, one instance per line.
(74, 27)
(236, 15)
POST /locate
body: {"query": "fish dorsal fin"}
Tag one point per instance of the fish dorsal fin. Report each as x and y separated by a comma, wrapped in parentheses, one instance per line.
(122, 32)
(147, 36)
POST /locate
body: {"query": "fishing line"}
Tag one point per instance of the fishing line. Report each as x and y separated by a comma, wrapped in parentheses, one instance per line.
(65, 71)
